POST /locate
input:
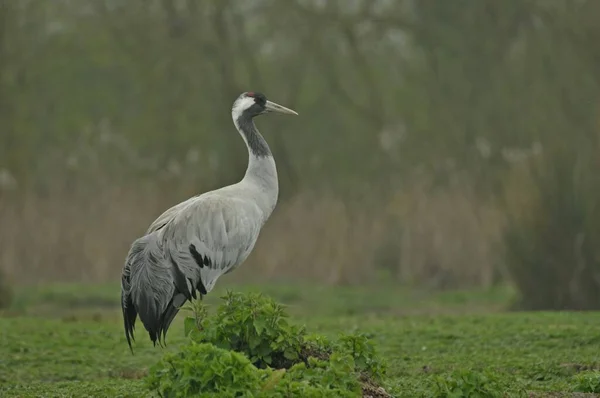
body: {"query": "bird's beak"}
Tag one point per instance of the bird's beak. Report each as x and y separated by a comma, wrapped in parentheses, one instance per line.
(273, 107)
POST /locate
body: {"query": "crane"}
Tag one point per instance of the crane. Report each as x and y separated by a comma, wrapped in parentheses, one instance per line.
(189, 246)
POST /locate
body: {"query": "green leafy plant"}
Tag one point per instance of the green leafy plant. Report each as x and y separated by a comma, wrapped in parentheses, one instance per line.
(318, 378)
(202, 370)
(251, 324)
(364, 353)
(588, 382)
(248, 347)
(472, 384)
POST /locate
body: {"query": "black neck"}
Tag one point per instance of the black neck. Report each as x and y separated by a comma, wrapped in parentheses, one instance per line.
(256, 143)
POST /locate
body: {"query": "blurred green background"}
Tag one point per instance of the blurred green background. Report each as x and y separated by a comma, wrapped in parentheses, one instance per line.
(440, 144)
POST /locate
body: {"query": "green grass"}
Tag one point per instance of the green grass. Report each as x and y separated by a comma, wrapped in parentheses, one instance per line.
(68, 340)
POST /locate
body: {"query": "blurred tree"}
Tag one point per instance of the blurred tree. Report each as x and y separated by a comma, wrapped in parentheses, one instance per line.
(132, 94)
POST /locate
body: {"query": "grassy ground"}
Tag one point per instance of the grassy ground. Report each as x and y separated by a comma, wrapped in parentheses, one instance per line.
(68, 340)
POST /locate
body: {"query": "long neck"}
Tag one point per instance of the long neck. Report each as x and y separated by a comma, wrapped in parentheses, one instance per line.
(261, 170)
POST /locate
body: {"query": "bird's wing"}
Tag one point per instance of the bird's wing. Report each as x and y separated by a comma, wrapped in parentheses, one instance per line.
(168, 215)
(186, 250)
(208, 237)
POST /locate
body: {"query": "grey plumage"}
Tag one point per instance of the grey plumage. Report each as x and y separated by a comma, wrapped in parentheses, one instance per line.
(188, 247)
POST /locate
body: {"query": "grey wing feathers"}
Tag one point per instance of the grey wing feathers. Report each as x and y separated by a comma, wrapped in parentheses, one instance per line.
(186, 250)
(223, 232)
(147, 287)
(168, 215)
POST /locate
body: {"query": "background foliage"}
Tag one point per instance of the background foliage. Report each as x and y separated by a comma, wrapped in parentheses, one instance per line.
(427, 128)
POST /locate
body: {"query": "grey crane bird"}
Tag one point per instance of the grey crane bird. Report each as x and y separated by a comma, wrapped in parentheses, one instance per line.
(188, 247)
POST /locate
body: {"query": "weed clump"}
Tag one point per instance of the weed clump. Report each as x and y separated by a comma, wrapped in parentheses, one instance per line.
(250, 324)
(587, 382)
(248, 348)
(204, 368)
(470, 383)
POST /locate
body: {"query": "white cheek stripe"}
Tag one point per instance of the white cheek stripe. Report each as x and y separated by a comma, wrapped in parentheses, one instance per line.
(240, 106)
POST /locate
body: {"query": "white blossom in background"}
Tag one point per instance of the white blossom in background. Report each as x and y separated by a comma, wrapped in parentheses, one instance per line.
(174, 168)
(391, 137)
(192, 156)
(7, 181)
(106, 137)
(72, 162)
(537, 148)
(515, 155)
(484, 147)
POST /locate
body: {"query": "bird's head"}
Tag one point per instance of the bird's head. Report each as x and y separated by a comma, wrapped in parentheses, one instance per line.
(252, 104)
